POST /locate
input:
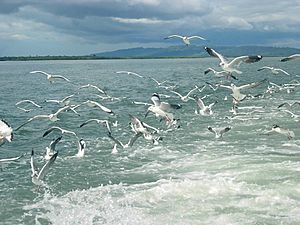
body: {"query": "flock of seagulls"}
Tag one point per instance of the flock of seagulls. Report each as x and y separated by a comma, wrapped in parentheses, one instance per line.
(162, 110)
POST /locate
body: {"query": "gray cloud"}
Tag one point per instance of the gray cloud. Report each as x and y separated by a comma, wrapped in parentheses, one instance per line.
(110, 24)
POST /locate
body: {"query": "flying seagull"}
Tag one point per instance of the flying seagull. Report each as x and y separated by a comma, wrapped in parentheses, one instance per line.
(185, 39)
(186, 97)
(219, 132)
(98, 105)
(229, 66)
(51, 77)
(38, 175)
(291, 57)
(52, 117)
(236, 94)
(273, 70)
(130, 142)
(65, 101)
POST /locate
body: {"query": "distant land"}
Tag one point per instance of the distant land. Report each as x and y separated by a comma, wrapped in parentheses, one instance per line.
(180, 51)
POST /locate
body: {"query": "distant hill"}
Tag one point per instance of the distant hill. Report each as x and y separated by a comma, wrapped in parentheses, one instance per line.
(196, 51)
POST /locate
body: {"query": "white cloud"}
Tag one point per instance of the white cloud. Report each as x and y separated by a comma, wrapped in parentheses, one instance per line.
(138, 20)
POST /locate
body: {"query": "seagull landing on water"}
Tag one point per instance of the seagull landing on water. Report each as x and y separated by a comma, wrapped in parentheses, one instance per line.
(291, 57)
(229, 65)
(273, 70)
(186, 97)
(51, 77)
(279, 130)
(38, 175)
(219, 132)
(6, 132)
(185, 39)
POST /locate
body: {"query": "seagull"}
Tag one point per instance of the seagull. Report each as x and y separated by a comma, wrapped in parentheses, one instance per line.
(273, 70)
(6, 132)
(38, 175)
(289, 104)
(291, 57)
(185, 39)
(219, 132)
(50, 151)
(96, 104)
(29, 101)
(277, 129)
(114, 150)
(236, 94)
(9, 160)
(81, 148)
(204, 110)
(52, 117)
(130, 142)
(130, 73)
(229, 65)
(102, 122)
(51, 77)
(63, 131)
(93, 86)
(222, 73)
(64, 102)
(186, 97)
(165, 106)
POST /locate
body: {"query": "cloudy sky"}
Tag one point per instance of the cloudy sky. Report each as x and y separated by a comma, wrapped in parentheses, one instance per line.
(78, 27)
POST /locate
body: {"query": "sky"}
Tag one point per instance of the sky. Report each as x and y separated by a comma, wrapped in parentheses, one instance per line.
(81, 27)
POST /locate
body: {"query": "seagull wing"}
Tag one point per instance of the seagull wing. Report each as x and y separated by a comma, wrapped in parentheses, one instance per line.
(211, 130)
(291, 57)
(247, 59)
(133, 139)
(283, 71)
(33, 118)
(252, 85)
(98, 89)
(176, 93)
(33, 167)
(54, 143)
(213, 53)
(61, 77)
(264, 68)
(46, 167)
(12, 159)
(196, 37)
(61, 109)
(40, 72)
(50, 130)
(119, 143)
(199, 102)
(105, 109)
(226, 129)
